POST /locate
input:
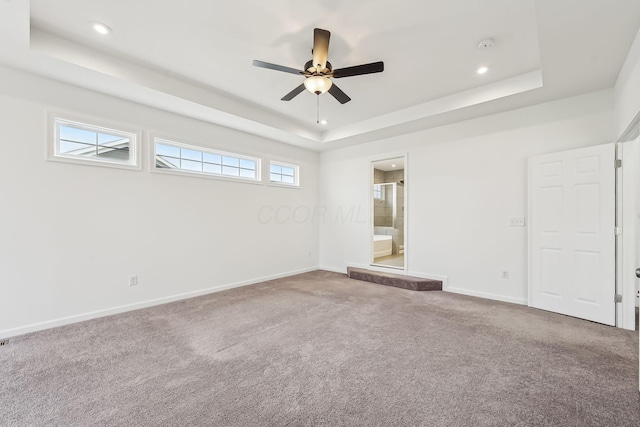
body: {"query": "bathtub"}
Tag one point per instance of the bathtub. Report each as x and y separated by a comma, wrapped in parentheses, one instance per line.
(382, 245)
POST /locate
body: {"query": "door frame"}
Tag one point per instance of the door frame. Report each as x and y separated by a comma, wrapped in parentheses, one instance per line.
(404, 155)
(627, 244)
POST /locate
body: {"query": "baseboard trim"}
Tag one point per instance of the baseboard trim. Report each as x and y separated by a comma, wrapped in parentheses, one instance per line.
(519, 301)
(8, 333)
(333, 270)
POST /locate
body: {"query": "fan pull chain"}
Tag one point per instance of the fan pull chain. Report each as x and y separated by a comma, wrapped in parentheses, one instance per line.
(318, 109)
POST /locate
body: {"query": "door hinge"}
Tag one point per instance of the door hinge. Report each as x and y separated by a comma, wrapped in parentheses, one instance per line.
(617, 231)
(618, 163)
(618, 298)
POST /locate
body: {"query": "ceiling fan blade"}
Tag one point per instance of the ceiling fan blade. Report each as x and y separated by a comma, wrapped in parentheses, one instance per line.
(276, 67)
(293, 93)
(357, 70)
(338, 94)
(320, 48)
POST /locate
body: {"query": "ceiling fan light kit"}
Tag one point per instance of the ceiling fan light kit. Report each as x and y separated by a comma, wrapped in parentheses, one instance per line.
(318, 71)
(317, 84)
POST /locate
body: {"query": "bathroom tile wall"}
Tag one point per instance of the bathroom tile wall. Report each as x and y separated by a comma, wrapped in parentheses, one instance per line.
(397, 176)
(378, 176)
(383, 211)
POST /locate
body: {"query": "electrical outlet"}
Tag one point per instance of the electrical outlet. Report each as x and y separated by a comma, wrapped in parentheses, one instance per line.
(517, 221)
(133, 280)
(4, 342)
(504, 274)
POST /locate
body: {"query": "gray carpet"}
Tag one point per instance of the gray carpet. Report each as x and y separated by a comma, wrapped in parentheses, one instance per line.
(394, 279)
(319, 349)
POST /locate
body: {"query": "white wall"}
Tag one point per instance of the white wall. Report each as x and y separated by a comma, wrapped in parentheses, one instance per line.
(627, 89)
(71, 235)
(464, 181)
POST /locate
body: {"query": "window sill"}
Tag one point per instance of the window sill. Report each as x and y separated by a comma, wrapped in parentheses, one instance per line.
(275, 184)
(178, 172)
(100, 163)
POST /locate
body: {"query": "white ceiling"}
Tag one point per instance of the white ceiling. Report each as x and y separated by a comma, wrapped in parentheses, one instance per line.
(194, 58)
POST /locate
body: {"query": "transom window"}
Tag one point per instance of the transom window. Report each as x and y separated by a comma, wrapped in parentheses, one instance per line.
(283, 173)
(87, 143)
(191, 159)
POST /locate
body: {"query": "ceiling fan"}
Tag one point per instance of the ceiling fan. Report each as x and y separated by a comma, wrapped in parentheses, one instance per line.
(318, 71)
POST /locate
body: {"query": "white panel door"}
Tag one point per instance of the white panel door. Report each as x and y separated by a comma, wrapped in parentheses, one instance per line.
(572, 239)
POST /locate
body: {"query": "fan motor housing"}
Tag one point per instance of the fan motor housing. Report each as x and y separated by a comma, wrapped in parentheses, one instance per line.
(309, 67)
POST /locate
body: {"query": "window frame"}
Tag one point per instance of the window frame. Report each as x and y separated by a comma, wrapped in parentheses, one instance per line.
(296, 174)
(154, 139)
(93, 125)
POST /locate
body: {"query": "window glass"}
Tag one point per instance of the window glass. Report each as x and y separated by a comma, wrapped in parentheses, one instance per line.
(247, 173)
(212, 158)
(191, 154)
(282, 173)
(174, 155)
(275, 168)
(75, 141)
(209, 168)
(167, 150)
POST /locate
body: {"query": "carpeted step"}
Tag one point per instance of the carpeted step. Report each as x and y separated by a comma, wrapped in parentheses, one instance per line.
(395, 280)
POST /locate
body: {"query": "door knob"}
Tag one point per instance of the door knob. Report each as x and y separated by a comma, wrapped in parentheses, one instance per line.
(637, 272)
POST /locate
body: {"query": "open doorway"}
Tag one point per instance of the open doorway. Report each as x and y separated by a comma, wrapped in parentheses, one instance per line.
(388, 198)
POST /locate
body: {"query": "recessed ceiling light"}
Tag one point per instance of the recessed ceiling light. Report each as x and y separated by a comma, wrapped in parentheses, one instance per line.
(482, 70)
(393, 166)
(102, 28)
(323, 122)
